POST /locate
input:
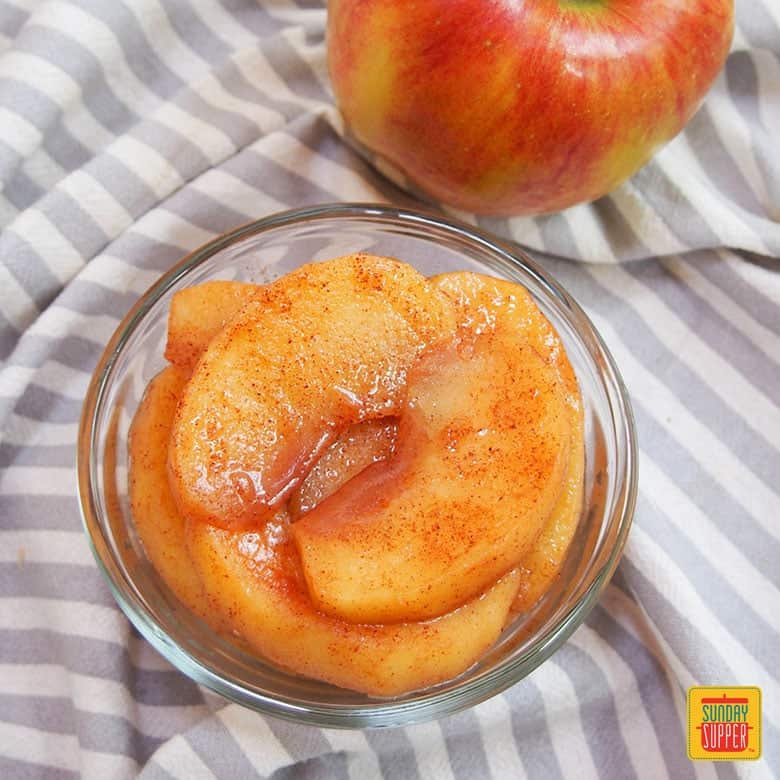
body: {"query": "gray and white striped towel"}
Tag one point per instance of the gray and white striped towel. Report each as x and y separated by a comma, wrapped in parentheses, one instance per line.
(132, 131)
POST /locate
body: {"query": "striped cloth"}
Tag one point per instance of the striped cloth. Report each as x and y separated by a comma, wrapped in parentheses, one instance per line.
(132, 131)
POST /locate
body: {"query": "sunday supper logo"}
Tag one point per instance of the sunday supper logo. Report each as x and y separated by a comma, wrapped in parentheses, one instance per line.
(724, 724)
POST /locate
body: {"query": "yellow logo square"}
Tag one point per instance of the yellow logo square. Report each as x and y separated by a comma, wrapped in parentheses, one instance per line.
(724, 724)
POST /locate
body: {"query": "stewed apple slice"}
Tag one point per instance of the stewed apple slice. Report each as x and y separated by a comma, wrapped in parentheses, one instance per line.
(480, 461)
(197, 314)
(253, 578)
(157, 520)
(357, 448)
(543, 563)
(326, 346)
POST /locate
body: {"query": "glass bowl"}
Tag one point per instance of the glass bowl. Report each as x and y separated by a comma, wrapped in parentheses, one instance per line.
(260, 252)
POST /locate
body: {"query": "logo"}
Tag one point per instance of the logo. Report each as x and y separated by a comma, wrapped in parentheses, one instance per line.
(724, 724)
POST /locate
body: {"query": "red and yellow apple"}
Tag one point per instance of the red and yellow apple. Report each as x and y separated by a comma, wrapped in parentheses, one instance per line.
(522, 106)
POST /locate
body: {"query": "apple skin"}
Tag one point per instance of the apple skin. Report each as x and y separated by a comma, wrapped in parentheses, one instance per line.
(513, 107)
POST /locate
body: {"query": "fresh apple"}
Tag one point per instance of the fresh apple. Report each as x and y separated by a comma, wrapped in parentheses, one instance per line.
(522, 106)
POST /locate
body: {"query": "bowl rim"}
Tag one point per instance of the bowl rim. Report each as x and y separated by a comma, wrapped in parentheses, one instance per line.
(375, 713)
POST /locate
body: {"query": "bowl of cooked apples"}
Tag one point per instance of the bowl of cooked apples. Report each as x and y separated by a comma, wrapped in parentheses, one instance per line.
(356, 466)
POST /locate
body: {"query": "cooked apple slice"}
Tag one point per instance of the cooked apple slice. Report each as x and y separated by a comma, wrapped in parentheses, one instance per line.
(198, 313)
(484, 304)
(543, 563)
(253, 578)
(481, 455)
(326, 346)
(157, 520)
(475, 475)
(357, 448)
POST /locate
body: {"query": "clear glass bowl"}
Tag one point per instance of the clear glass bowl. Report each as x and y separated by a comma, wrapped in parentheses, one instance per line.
(260, 252)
